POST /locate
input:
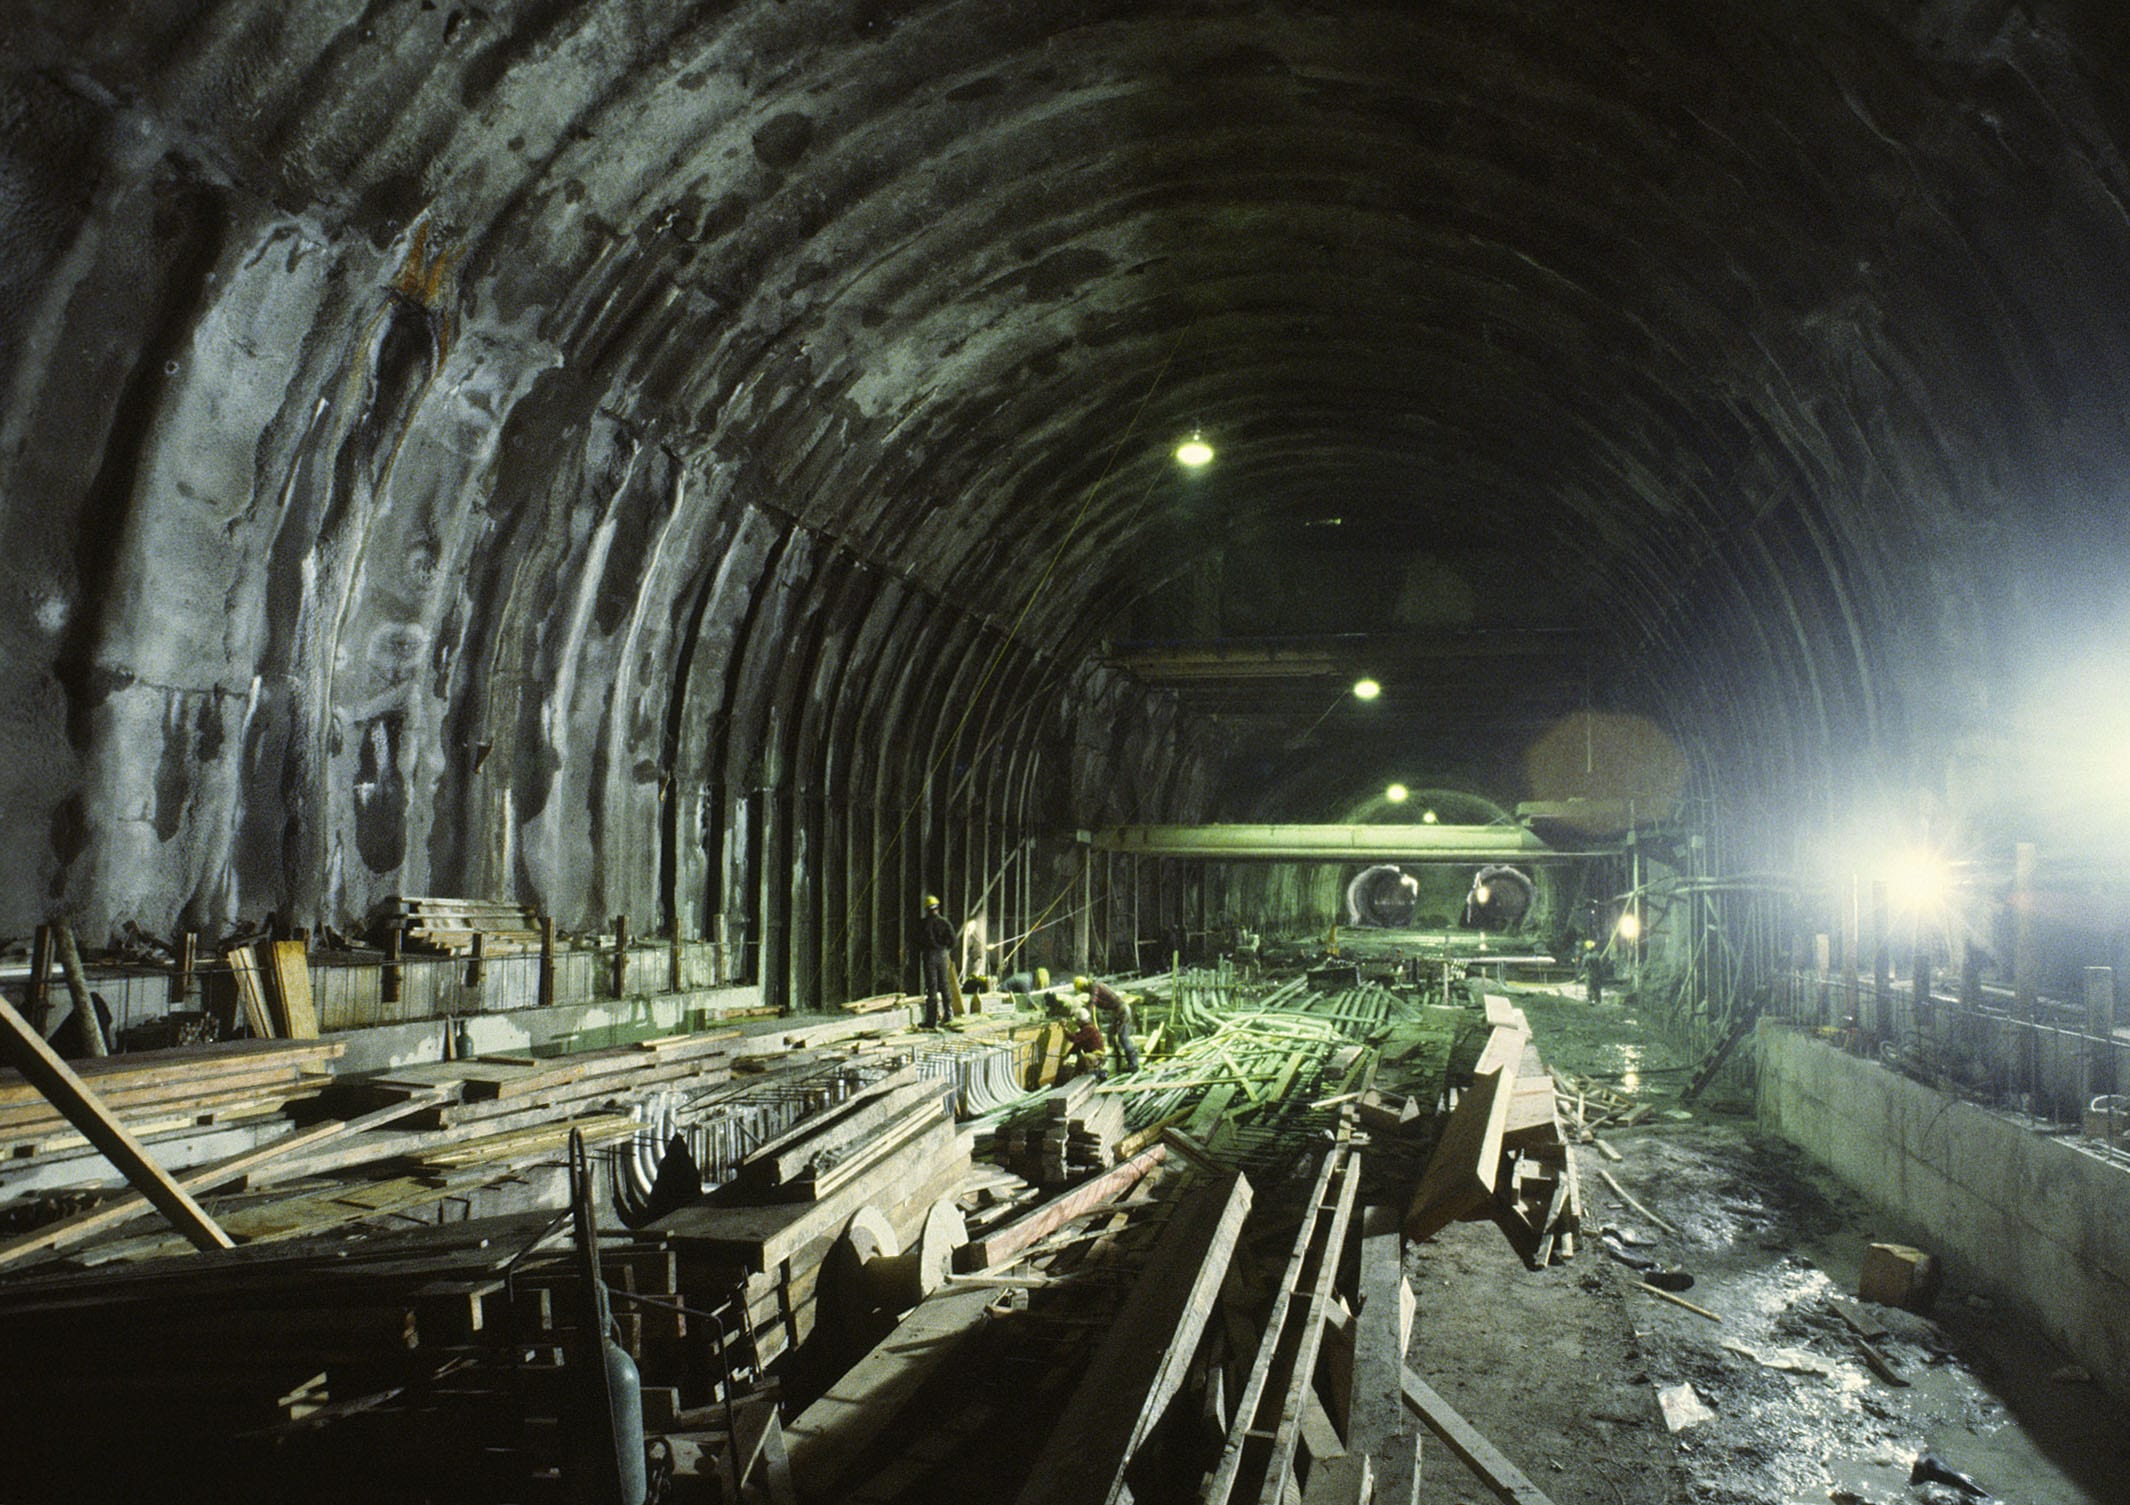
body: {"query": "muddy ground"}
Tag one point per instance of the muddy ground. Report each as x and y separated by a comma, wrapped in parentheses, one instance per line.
(1562, 1368)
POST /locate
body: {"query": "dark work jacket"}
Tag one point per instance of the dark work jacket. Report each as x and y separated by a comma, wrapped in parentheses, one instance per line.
(935, 932)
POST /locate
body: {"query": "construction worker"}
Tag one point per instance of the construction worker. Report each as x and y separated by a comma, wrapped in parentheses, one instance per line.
(1022, 985)
(1084, 1040)
(936, 938)
(1117, 1009)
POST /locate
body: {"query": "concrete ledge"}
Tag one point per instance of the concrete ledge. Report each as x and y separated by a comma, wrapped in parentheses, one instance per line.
(2033, 1218)
(585, 1026)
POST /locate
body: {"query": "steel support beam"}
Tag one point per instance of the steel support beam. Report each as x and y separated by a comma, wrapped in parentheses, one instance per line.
(1285, 843)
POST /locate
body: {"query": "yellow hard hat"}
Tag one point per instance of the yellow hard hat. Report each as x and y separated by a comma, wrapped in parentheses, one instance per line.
(931, 901)
(1081, 985)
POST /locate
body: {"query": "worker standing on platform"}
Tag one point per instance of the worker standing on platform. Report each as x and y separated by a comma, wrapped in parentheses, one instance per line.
(1116, 1007)
(936, 937)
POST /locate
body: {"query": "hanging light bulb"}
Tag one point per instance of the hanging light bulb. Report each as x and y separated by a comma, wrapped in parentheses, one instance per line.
(1396, 794)
(1194, 452)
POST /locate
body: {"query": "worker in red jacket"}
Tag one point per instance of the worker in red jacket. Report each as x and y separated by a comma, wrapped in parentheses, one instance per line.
(1116, 1009)
(1083, 1038)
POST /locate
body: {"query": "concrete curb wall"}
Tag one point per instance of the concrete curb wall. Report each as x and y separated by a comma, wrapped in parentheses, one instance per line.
(608, 1021)
(2033, 1218)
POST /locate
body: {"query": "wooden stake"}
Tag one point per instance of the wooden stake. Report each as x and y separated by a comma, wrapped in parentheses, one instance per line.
(25, 1049)
(41, 979)
(1698, 1311)
(91, 1027)
(187, 960)
(1621, 1192)
(1504, 1478)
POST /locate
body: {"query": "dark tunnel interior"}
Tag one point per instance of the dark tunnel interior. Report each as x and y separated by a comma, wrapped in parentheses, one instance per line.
(714, 463)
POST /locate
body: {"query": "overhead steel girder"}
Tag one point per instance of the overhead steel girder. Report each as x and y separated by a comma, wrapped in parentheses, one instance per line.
(1244, 843)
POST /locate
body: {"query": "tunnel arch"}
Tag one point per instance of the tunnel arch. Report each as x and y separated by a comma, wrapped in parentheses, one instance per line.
(596, 457)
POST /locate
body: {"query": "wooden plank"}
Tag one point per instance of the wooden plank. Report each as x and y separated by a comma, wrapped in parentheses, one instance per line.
(785, 1157)
(1462, 1173)
(1143, 1355)
(1504, 1478)
(251, 991)
(292, 989)
(26, 1050)
(831, 1434)
(1001, 1245)
(1222, 1483)
(1377, 1426)
(1287, 1437)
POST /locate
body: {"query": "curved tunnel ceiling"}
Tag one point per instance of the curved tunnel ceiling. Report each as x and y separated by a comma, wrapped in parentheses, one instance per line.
(1758, 368)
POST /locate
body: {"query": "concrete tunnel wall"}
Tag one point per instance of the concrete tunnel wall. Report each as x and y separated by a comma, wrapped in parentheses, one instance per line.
(688, 462)
(2015, 1212)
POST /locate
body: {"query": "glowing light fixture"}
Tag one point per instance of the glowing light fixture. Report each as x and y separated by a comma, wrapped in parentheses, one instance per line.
(1481, 894)
(1366, 689)
(1194, 452)
(1396, 794)
(1427, 817)
(1918, 879)
(1630, 925)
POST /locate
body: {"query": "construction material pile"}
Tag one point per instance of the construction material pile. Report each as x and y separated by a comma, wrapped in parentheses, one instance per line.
(892, 1152)
(422, 1365)
(155, 1090)
(1069, 1132)
(1504, 1154)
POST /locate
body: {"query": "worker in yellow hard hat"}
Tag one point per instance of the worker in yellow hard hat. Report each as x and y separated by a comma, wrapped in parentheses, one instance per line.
(935, 939)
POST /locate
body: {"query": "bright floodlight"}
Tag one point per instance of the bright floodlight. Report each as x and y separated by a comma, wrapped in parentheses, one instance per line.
(1427, 817)
(1396, 794)
(1918, 879)
(1481, 894)
(1630, 925)
(1366, 689)
(1194, 452)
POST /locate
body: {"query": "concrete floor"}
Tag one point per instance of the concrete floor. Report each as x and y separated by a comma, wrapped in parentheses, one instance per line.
(1562, 1368)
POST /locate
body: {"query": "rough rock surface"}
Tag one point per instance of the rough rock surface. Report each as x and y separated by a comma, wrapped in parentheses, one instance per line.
(619, 455)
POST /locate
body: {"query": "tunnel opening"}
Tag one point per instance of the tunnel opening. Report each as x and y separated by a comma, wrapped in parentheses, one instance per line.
(1385, 896)
(1499, 899)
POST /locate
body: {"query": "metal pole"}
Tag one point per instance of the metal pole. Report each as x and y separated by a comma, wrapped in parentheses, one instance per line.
(1881, 959)
(2026, 963)
(2100, 1032)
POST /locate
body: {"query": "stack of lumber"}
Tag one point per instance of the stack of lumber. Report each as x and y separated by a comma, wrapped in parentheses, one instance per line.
(158, 1090)
(769, 1233)
(1504, 1154)
(410, 1366)
(448, 926)
(1070, 1132)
